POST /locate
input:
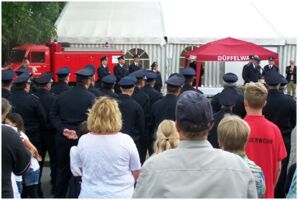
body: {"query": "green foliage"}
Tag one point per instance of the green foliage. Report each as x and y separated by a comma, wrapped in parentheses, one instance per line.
(28, 22)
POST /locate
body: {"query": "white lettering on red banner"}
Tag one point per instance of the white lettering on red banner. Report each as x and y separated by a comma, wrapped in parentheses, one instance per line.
(232, 58)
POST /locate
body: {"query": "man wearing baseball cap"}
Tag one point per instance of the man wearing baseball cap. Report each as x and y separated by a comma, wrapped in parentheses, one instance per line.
(195, 169)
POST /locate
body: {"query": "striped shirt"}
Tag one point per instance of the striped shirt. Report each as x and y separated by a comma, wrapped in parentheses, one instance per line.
(258, 175)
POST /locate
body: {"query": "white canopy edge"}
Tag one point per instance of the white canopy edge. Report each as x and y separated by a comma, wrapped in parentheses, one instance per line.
(115, 22)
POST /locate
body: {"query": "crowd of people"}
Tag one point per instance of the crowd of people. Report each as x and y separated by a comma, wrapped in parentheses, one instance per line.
(120, 137)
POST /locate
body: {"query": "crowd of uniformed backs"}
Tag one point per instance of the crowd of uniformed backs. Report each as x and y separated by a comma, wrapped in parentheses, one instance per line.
(47, 111)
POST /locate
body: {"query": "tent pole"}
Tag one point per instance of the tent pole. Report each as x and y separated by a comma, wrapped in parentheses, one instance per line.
(199, 67)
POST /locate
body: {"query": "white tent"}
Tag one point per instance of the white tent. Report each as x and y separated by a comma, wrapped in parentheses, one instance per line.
(113, 22)
(164, 29)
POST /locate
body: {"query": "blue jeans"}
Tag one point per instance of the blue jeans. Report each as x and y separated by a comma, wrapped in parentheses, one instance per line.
(31, 177)
(20, 186)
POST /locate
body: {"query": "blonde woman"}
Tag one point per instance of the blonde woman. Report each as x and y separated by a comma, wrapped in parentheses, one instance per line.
(167, 136)
(108, 158)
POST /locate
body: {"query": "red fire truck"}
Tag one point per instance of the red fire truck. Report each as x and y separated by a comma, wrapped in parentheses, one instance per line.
(53, 56)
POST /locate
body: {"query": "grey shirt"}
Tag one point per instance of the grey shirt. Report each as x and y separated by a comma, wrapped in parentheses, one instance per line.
(195, 170)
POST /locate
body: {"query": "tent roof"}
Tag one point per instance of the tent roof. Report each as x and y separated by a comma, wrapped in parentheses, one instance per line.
(182, 22)
(229, 49)
(113, 22)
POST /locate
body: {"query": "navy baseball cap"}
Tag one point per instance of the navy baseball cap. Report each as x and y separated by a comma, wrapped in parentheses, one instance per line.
(109, 79)
(127, 82)
(176, 80)
(228, 96)
(7, 75)
(284, 81)
(85, 72)
(150, 75)
(193, 111)
(230, 77)
(23, 78)
(272, 78)
(91, 67)
(64, 71)
(139, 74)
(44, 78)
(188, 71)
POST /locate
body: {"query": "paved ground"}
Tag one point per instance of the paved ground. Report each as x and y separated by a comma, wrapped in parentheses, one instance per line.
(45, 183)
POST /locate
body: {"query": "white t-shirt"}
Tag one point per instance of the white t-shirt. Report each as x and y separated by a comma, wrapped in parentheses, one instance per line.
(75, 164)
(107, 162)
(34, 163)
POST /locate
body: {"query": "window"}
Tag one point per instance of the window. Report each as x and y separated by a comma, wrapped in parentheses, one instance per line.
(37, 57)
(182, 61)
(144, 58)
(17, 55)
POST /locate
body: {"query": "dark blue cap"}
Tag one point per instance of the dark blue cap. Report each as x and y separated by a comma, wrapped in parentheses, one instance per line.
(7, 75)
(121, 58)
(23, 78)
(85, 72)
(103, 58)
(256, 58)
(44, 78)
(188, 71)
(271, 58)
(127, 82)
(284, 81)
(272, 78)
(91, 67)
(176, 80)
(251, 57)
(228, 96)
(64, 71)
(193, 111)
(22, 70)
(230, 77)
(150, 75)
(139, 74)
(109, 79)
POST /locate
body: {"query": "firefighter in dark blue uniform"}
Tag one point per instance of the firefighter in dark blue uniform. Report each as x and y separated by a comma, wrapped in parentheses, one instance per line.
(63, 79)
(189, 74)
(135, 66)
(251, 72)
(120, 70)
(143, 100)
(7, 77)
(68, 112)
(229, 81)
(19, 72)
(281, 110)
(227, 99)
(132, 112)
(30, 108)
(150, 81)
(270, 67)
(48, 132)
(91, 88)
(108, 85)
(165, 107)
(102, 71)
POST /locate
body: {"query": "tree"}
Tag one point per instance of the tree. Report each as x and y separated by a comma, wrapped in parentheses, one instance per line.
(28, 22)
